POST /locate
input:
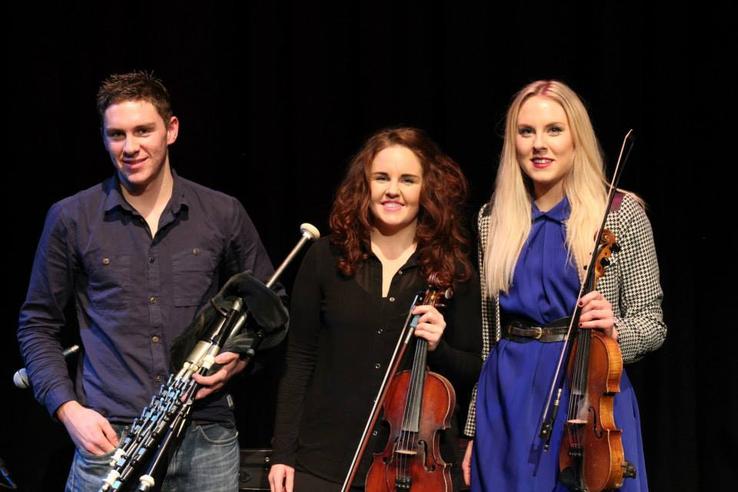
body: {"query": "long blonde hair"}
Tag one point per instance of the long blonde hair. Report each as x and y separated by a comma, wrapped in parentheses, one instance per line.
(511, 202)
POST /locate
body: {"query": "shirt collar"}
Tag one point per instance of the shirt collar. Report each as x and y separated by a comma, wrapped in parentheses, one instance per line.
(114, 197)
(411, 262)
(559, 213)
(179, 194)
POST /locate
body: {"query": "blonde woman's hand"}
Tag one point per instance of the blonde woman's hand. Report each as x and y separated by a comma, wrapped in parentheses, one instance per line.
(596, 312)
(466, 463)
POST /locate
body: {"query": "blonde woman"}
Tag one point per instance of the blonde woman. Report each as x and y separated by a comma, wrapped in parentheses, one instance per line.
(536, 234)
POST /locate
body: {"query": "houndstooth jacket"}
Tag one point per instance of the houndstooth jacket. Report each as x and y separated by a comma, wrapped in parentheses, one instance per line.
(630, 284)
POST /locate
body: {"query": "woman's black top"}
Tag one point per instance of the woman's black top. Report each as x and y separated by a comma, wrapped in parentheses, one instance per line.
(342, 335)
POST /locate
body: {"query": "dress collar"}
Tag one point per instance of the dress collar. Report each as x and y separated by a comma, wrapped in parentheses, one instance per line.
(559, 213)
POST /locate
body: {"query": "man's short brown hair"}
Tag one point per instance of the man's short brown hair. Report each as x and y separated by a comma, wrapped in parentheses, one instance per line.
(134, 86)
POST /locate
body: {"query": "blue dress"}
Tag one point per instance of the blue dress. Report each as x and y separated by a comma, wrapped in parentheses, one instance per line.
(514, 383)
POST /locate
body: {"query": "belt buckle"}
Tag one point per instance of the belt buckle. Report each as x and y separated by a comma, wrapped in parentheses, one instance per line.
(539, 332)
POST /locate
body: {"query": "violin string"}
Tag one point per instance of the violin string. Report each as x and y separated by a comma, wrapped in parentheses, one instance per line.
(419, 371)
(421, 350)
(574, 393)
(398, 466)
(581, 378)
(405, 438)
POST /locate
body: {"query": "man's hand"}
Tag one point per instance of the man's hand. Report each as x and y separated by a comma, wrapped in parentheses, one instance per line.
(231, 364)
(88, 429)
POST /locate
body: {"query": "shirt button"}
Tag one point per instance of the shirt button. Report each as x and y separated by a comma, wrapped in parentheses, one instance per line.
(157, 378)
(152, 259)
(391, 299)
(106, 261)
(374, 433)
(153, 300)
(195, 251)
(377, 366)
(379, 331)
(400, 272)
(155, 339)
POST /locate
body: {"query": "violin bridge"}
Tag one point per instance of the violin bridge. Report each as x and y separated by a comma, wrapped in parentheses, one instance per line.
(409, 452)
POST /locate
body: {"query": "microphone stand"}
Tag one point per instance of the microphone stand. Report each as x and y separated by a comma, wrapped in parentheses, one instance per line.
(5, 480)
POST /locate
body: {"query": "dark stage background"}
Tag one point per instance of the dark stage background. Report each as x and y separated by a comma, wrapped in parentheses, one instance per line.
(274, 98)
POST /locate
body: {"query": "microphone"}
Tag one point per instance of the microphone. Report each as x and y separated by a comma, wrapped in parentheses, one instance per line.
(20, 378)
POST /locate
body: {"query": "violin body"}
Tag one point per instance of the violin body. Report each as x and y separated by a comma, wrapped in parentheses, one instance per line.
(417, 404)
(412, 460)
(591, 455)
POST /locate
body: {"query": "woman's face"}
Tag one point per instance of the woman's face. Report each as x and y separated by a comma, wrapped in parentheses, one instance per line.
(544, 144)
(395, 181)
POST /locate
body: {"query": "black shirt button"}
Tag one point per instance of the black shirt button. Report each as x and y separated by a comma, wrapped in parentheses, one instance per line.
(152, 259)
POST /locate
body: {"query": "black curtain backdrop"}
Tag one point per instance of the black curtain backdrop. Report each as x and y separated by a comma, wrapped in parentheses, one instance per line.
(275, 97)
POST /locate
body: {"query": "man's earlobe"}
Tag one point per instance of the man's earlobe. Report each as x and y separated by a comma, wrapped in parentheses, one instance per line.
(172, 130)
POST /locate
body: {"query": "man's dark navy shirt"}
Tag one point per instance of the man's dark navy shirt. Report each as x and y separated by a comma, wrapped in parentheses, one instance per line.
(134, 294)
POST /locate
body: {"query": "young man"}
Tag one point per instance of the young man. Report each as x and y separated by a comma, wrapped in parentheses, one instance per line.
(139, 254)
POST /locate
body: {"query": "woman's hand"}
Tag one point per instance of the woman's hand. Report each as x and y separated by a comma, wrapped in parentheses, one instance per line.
(430, 325)
(597, 313)
(466, 463)
(281, 478)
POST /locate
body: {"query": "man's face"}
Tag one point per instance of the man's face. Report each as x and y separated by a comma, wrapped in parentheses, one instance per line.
(137, 139)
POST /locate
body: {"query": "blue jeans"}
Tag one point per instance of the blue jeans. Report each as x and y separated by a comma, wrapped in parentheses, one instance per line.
(206, 460)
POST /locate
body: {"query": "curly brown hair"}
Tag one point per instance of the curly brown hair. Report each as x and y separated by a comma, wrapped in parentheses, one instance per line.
(442, 241)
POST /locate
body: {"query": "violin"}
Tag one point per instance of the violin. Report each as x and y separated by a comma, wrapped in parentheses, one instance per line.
(419, 404)
(591, 456)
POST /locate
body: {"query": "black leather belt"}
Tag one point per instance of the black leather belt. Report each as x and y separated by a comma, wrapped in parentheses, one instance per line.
(519, 330)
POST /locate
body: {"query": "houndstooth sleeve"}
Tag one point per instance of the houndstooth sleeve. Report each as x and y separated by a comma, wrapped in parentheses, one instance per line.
(490, 315)
(632, 286)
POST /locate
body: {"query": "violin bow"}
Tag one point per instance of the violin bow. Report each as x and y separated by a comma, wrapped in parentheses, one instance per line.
(550, 410)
